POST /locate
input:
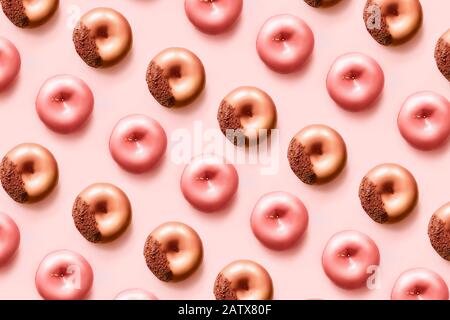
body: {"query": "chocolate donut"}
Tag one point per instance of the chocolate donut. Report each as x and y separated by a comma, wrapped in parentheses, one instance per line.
(392, 22)
(28, 173)
(102, 37)
(29, 14)
(442, 54)
(388, 193)
(101, 212)
(317, 154)
(175, 77)
(173, 251)
(439, 231)
(243, 280)
(246, 115)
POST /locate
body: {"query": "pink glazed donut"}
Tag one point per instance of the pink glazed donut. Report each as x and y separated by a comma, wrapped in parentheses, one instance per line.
(135, 294)
(137, 143)
(64, 103)
(9, 62)
(64, 275)
(209, 183)
(278, 220)
(284, 43)
(348, 258)
(355, 81)
(213, 16)
(424, 120)
(9, 238)
(419, 284)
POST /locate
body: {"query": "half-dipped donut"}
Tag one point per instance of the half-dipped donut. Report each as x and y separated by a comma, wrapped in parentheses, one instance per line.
(349, 258)
(317, 154)
(392, 22)
(137, 143)
(424, 120)
(213, 16)
(64, 103)
(442, 54)
(28, 14)
(247, 115)
(9, 238)
(102, 37)
(419, 284)
(243, 280)
(439, 231)
(173, 251)
(278, 220)
(388, 193)
(175, 77)
(355, 81)
(9, 62)
(28, 172)
(284, 43)
(321, 3)
(208, 182)
(101, 212)
(64, 275)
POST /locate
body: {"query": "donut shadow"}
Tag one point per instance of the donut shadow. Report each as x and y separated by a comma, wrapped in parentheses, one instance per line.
(194, 105)
(117, 68)
(223, 36)
(11, 262)
(75, 135)
(289, 252)
(410, 43)
(195, 277)
(433, 153)
(366, 112)
(11, 88)
(300, 73)
(47, 26)
(118, 242)
(222, 212)
(147, 175)
(43, 204)
(335, 183)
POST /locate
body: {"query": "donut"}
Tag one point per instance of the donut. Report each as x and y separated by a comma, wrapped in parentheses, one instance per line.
(246, 115)
(278, 220)
(209, 183)
(442, 54)
(388, 193)
(355, 81)
(9, 63)
(28, 172)
(102, 37)
(64, 103)
(243, 280)
(101, 212)
(135, 294)
(317, 154)
(213, 16)
(175, 77)
(321, 3)
(284, 43)
(439, 231)
(9, 238)
(64, 275)
(348, 257)
(29, 14)
(137, 143)
(392, 22)
(424, 120)
(419, 284)
(173, 251)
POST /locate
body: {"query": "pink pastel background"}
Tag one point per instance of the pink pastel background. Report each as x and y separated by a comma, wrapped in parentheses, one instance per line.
(230, 60)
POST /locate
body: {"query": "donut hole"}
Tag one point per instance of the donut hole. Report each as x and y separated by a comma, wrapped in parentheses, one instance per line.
(175, 72)
(276, 214)
(207, 175)
(392, 10)
(348, 253)
(242, 285)
(102, 32)
(387, 188)
(28, 167)
(416, 291)
(136, 136)
(62, 96)
(424, 113)
(60, 272)
(352, 75)
(316, 149)
(101, 207)
(282, 36)
(173, 246)
(247, 111)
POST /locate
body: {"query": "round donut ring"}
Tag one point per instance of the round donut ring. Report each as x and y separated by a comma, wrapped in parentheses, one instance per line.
(101, 212)
(419, 284)
(392, 22)
(247, 115)
(175, 77)
(317, 154)
(102, 37)
(388, 193)
(29, 14)
(173, 251)
(243, 280)
(28, 173)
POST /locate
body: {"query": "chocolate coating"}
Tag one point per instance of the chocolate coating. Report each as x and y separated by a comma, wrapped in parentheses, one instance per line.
(439, 231)
(442, 54)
